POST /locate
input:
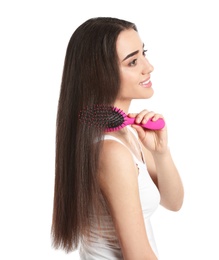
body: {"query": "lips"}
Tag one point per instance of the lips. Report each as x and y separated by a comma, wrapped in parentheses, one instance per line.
(146, 84)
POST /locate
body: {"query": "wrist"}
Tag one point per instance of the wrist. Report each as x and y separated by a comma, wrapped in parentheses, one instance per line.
(161, 154)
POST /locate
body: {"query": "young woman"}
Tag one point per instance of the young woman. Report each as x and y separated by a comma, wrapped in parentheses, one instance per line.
(108, 185)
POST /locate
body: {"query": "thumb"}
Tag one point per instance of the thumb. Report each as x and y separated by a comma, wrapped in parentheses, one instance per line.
(140, 131)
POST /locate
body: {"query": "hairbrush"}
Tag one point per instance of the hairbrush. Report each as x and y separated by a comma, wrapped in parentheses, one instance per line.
(113, 119)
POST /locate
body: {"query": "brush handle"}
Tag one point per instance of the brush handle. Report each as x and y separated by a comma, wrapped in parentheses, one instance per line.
(152, 125)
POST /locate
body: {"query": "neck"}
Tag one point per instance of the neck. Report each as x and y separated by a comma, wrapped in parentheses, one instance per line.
(124, 105)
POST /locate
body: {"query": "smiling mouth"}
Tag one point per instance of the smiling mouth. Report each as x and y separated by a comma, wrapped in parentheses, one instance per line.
(145, 83)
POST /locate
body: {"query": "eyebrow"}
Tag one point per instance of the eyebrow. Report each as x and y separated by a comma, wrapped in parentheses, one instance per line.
(132, 54)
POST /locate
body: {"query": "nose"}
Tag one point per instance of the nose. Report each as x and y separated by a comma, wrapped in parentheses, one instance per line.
(146, 66)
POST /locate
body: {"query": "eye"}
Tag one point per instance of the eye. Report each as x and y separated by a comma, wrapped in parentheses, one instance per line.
(133, 63)
(144, 52)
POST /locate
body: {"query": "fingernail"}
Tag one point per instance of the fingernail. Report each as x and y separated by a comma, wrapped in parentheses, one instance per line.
(137, 120)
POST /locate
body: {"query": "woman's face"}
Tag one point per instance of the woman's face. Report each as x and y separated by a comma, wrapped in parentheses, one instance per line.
(134, 67)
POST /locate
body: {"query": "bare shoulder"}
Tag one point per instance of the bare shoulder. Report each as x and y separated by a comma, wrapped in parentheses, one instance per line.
(118, 173)
(115, 159)
(119, 181)
(119, 184)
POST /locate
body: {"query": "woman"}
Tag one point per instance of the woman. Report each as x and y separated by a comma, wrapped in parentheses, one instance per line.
(108, 185)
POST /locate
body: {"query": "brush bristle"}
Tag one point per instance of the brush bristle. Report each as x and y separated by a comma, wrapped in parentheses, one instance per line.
(105, 117)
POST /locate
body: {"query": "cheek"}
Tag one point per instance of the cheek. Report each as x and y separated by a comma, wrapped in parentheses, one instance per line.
(128, 77)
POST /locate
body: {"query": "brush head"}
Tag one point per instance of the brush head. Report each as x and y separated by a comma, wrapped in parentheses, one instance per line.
(104, 117)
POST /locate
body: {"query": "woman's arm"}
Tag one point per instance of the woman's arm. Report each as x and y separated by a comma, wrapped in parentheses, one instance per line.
(160, 163)
(165, 175)
(118, 178)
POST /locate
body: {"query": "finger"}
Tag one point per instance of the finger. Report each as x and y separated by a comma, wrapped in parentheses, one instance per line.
(151, 116)
(140, 131)
(144, 117)
(156, 117)
(132, 115)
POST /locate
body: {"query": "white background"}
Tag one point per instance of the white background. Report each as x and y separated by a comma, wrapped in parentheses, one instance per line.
(182, 42)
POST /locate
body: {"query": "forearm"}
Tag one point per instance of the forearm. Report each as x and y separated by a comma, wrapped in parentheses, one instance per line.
(169, 181)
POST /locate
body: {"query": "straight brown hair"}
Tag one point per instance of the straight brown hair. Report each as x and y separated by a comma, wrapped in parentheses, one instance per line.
(90, 76)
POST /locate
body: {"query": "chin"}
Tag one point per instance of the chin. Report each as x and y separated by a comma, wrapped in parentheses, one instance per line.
(149, 93)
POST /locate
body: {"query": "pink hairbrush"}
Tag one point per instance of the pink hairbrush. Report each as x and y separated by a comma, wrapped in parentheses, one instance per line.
(113, 119)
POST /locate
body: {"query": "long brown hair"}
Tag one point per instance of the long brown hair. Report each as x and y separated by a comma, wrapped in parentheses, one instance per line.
(90, 76)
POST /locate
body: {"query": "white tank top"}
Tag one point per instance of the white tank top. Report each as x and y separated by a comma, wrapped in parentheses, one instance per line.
(103, 242)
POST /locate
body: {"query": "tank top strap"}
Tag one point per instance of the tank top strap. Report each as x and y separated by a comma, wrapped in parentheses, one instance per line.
(132, 130)
(110, 137)
(136, 135)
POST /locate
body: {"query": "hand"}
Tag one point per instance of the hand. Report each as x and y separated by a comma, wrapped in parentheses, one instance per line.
(153, 140)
